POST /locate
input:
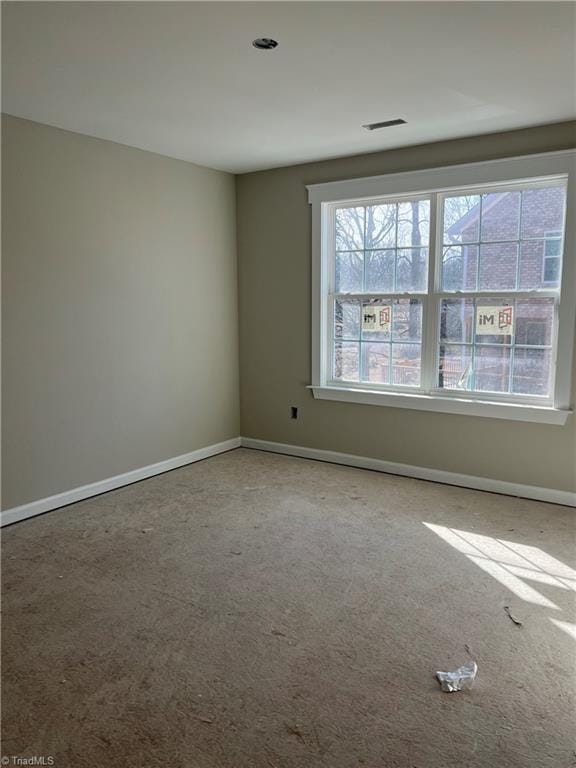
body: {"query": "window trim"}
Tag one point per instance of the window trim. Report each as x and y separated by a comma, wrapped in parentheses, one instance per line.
(526, 171)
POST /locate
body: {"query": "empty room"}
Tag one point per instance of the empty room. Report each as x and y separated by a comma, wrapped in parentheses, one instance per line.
(288, 384)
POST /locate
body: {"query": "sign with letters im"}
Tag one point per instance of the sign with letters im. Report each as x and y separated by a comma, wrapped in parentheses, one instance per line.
(376, 317)
(494, 320)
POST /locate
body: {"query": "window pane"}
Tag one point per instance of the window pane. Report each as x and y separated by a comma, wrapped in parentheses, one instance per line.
(492, 369)
(531, 375)
(534, 322)
(349, 272)
(459, 268)
(462, 219)
(406, 364)
(350, 229)
(457, 320)
(455, 367)
(411, 269)
(346, 360)
(380, 271)
(542, 211)
(381, 226)
(407, 320)
(531, 264)
(376, 320)
(376, 363)
(413, 223)
(498, 263)
(500, 216)
(347, 320)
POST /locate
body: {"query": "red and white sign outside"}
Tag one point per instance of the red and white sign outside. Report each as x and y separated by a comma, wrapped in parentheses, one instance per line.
(494, 320)
(376, 317)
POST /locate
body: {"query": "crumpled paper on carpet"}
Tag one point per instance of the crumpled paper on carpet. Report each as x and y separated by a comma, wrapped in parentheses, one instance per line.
(459, 679)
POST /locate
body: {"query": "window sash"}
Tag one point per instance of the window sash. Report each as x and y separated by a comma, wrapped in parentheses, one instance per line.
(432, 297)
(474, 345)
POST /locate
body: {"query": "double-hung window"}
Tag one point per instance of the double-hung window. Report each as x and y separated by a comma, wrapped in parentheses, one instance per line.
(380, 266)
(456, 296)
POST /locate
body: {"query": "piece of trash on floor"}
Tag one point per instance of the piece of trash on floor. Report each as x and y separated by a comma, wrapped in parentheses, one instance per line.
(147, 530)
(511, 616)
(295, 731)
(459, 679)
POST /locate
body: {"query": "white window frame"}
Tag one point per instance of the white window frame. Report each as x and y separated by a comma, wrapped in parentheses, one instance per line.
(526, 171)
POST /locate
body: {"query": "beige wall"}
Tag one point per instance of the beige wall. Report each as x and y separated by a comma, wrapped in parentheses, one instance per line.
(120, 317)
(274, 242)
(119, 309)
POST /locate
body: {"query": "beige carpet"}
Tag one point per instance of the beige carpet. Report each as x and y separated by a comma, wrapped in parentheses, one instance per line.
(257, 611)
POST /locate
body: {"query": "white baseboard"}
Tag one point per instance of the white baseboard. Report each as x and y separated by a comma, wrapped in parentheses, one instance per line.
(24, 511)
(49, 503)
(421, 473)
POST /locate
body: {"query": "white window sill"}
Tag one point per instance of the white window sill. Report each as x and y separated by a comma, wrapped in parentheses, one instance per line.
(463, 406)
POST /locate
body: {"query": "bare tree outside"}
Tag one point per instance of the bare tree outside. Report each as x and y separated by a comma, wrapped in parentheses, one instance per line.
(382, 249)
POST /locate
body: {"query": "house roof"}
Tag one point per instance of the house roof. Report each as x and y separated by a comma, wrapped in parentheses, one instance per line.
(474, 214)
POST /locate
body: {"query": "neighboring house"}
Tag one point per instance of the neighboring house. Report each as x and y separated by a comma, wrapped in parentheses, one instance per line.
(506, 263)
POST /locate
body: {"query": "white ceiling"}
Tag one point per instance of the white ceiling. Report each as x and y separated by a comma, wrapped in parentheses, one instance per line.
(183, 79)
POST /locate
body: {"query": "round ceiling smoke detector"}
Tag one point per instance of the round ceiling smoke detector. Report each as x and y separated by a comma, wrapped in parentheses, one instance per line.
(264, 43)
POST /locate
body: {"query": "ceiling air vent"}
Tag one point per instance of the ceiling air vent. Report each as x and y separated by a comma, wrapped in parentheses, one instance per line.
(385, 124)
(264, 43)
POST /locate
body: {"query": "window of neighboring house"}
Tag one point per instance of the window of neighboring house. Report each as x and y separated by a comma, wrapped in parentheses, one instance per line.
(552, 257)
(443, 294)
